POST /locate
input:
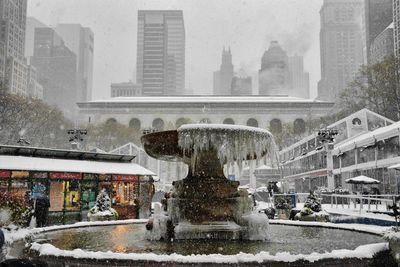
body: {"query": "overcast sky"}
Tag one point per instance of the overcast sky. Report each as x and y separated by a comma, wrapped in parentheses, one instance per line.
(247, 26)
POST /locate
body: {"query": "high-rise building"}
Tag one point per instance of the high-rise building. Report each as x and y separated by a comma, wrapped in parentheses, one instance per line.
(56, 70)
(241, 86)
(341, 44)
(396, 28)
(80, 40)
(382, 46)
(299, 79)
(31, 24)
(35, 89)
(13, 69)
(378, 16)
(223, 77)
(161, 52)
(273, 77)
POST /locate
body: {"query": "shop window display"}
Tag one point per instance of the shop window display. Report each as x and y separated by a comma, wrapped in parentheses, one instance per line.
(72, 196)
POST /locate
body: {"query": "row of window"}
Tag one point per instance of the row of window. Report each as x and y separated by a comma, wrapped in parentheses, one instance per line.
(159, 124)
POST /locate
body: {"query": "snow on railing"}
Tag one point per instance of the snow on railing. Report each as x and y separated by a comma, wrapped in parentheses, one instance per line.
(369, 200)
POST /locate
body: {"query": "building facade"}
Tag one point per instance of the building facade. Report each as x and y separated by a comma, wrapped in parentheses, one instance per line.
(341, 44)
(314, 163)
(56, 68)
(35, 89)
(382, 46)
(161, 52)
(299, 79)
(378, 16)
(273, 77)
(241, 86)
(80, 40)
(125, 89)
(13, 69)
(223, 77)
(31, 24)
(162, 113)
(396, 27)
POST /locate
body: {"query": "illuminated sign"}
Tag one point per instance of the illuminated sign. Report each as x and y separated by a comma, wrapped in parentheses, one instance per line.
(65, 175)
(5, 174)
(19, 174)
(131, 178)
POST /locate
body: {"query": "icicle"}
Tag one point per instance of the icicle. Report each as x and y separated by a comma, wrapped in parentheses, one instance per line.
(233, 143)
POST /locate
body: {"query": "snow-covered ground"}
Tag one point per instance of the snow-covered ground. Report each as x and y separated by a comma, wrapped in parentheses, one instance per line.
(347, 211)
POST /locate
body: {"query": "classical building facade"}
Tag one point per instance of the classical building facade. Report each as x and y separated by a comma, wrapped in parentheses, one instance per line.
(163, 113)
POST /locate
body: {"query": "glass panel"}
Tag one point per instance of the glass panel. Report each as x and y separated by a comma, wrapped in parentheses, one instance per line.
(56, 196)
(72, 195)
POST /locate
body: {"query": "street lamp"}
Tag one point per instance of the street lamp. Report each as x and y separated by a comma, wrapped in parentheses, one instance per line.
(328, 137)
(76, 136)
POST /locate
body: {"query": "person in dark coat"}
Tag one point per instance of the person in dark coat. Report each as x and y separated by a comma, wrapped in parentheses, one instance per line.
(42, 210)
(1, 239)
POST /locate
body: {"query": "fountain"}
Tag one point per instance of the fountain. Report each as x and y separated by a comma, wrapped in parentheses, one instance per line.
(202, 212)
(205, 204)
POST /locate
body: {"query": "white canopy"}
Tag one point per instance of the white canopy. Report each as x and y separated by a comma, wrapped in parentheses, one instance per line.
(66, 165)
(362, 180)
(396, 166)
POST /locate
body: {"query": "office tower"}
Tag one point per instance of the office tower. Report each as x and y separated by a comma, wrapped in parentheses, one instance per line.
(13, 69)
(341, 44)
(241, 86)
(223, 77)
(299, 79)
(161, 52)
(378, 16)
(80, 40)
(396, 29)
(56, 69)
(273, 77)
(31, 24)
(382, 46)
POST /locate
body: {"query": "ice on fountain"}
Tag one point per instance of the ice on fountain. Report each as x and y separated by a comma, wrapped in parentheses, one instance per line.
(233, 143)
(159, 230)
(257, 226)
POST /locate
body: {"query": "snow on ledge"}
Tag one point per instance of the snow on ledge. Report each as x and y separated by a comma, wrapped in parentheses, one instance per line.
(226, 127)
(365, 228)
(365, 251)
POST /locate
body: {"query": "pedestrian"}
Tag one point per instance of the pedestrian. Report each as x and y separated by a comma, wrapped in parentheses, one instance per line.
(42, 210)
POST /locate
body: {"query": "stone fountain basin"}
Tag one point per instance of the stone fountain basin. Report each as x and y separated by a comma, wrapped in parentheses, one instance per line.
(164, 145)
(289, 245)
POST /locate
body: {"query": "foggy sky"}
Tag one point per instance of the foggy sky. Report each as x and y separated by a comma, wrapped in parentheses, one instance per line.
(247, 26)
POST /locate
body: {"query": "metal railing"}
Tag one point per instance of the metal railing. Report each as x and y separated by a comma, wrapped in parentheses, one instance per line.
(367, 200)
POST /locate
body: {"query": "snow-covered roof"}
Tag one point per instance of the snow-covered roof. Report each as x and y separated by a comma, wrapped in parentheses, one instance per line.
(264, 167)
(66, 165)
(368, 138)
(204, 98)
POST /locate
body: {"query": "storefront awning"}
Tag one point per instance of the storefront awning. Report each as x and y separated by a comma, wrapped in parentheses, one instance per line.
(66, 165)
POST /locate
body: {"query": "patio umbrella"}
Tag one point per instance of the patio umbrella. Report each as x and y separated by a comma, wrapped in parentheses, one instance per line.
(362, 180)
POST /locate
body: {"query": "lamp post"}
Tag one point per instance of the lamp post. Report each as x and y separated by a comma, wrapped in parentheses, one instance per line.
(327, 136)
(76, 136)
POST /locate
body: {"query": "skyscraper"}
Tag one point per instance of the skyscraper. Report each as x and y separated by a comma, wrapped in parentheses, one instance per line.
(56, 70)
(378, 16)
(80, 40)
(31, 24)
(299, 79)
(241, 86)
(13, 69)
(396, 29)
(161, 52)
(273, 77)
(223, 77)
(341, 44)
